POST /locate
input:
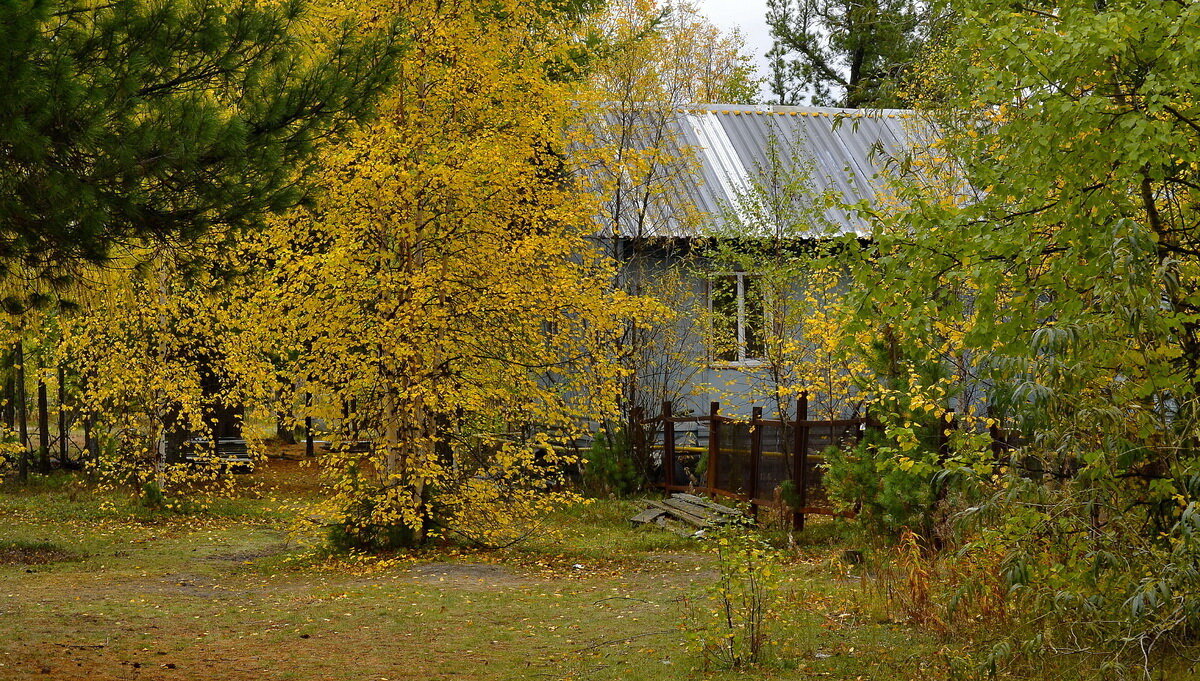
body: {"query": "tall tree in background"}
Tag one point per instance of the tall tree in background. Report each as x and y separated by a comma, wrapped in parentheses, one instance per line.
(843, 52)
(669, 54)
(133, 119)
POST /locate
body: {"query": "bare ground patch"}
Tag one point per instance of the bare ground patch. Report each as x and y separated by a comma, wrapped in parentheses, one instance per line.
(468, 575)
(13, 553)
(249, 555)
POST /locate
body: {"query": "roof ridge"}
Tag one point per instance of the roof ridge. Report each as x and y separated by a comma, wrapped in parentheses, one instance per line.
(780, 110)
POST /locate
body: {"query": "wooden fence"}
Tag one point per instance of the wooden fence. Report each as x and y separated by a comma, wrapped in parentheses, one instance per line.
(748, 460)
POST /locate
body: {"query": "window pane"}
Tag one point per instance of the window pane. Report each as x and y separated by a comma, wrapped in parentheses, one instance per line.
(725, 319)
(755, 321)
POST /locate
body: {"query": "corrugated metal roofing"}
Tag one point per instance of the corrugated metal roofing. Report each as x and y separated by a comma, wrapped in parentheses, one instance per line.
(844, 151)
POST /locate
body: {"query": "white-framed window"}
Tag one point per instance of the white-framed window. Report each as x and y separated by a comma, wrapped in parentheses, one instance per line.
(735, 304)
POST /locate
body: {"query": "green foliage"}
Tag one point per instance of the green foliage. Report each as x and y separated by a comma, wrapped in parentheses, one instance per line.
(357, 531)
(729, 621)
(887, 497)
(610, 468)
(153, 497)
(848, 53)
(166, 120)
(1044, 247)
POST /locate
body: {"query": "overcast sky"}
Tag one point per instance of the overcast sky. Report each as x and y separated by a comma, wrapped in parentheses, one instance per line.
(748, 15)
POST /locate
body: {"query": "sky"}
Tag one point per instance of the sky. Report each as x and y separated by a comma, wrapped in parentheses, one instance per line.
(750, 16)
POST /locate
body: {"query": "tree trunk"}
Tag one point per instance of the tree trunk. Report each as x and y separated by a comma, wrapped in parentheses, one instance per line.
(10, 392)
(64, 432)
(43, 428)
(308, 426)
(283, 432)
(22, 414)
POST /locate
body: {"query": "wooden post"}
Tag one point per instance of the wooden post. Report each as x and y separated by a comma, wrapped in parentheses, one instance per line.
(668, 443)
(43, 428)
(755, 455)
(64, 434)
(714, 445)
(800, 461)
(308, 432)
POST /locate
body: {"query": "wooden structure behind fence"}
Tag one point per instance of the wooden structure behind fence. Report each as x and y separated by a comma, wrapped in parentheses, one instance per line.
(749, 459)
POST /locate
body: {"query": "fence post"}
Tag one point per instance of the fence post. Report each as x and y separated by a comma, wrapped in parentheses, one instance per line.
(800, 461)
(714, 445)
(756, 427)
(668, 444)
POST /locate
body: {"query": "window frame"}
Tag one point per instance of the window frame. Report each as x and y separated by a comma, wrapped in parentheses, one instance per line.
(743, 361)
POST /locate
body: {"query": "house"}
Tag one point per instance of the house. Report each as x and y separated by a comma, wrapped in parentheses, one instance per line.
(681, 178)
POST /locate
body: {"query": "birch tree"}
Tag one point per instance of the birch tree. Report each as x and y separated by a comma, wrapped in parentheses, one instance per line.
(441, 308)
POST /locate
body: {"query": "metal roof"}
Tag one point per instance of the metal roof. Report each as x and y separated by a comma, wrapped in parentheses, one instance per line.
(723, 152)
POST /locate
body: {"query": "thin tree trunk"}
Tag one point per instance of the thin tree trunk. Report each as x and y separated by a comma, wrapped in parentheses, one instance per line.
(22, 414)
(159, 417)
(10, 391)
(64, 432)
(308, 427)
(43, 428)
(89, 446)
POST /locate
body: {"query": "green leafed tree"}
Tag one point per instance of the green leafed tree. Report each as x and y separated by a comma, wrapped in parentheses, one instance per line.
(848, 53)
(167, 120)
(1050, 237)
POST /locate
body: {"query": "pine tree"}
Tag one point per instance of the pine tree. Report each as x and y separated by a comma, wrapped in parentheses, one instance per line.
(168, 120)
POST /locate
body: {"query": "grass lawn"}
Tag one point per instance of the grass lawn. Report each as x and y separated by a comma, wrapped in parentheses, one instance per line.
(93, 587)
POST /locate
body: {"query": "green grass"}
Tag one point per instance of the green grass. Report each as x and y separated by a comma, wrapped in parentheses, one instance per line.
(227, 593)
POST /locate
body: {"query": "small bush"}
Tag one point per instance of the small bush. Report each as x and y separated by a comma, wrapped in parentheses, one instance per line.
(153, 497)
(888, 497)
(358, 532)
(729, 621)
(372, 538)
(611, 469)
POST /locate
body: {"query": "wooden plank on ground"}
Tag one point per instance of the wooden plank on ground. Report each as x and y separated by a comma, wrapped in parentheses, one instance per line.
(699, 511)
(649, 515)
(700, 501)
(676, 513)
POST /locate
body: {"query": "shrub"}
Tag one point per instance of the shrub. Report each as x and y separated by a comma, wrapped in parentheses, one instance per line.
(610, 468)
(729, 621)
(356, 531)
(887, 495)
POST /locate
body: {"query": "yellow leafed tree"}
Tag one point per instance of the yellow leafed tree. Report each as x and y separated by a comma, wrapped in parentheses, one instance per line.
(441, 309)
(145, 346)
